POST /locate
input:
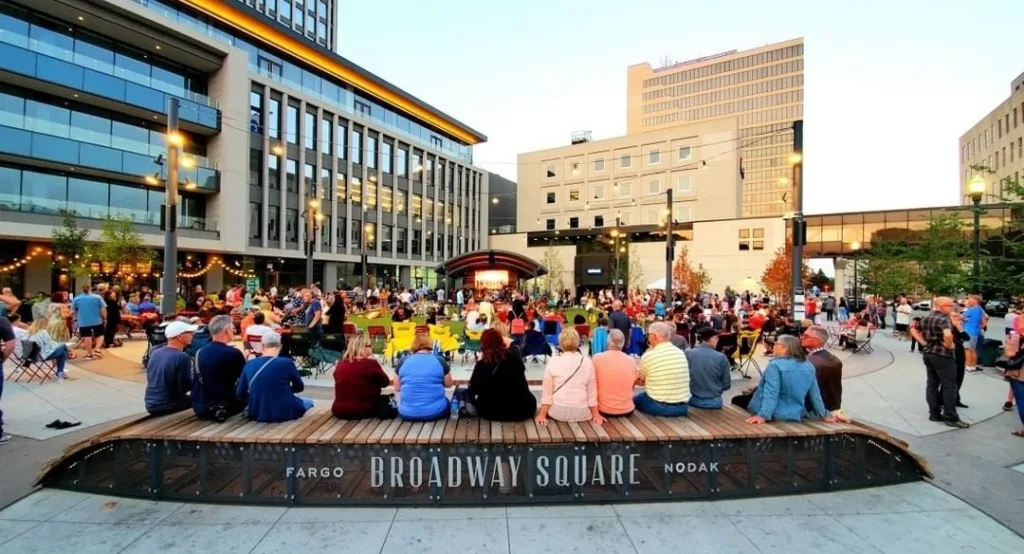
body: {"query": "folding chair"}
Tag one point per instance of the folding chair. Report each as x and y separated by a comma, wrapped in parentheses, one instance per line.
(471, 345)
(34, 365)
(322, 360)
(252, 346)
(863, 344)
(17, 362)
(748, 342)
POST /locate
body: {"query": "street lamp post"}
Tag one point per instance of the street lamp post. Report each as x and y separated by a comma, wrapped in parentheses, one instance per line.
(169, 291)
(799, 230)
(976, 188)
(313, 218)
(855, 246)
(367, 237)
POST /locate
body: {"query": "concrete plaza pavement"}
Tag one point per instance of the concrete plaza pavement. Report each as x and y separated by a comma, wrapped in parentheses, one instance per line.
(983, 465)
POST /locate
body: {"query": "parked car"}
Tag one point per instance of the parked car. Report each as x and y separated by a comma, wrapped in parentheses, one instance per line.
(997, 307)
(923, 305)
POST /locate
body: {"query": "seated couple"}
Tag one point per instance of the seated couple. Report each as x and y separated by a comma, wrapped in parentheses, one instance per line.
(221, 383)
(789, 388)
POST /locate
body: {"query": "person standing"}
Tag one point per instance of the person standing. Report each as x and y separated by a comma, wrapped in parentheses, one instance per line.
(113, 311)
(90, 310)
(619, 320)
(959, 352)
(938, 351)
(830, 308)
(975, 321)
(903, 312)
(7, 342)
(313, 317)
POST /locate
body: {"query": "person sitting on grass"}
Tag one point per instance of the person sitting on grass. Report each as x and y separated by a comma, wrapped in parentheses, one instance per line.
(421, 380)
(789, 385)
(269, 383)
(358, 380)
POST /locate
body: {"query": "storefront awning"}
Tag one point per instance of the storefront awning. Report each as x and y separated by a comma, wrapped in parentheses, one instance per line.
(460, 266)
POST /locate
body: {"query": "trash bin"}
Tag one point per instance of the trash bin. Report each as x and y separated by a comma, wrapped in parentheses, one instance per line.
(989, 352)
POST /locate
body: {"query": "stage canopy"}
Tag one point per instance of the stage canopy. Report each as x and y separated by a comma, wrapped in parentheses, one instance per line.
(485, 260)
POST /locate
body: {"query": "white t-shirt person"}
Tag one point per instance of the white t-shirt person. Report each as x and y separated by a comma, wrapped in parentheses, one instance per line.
(903, 314)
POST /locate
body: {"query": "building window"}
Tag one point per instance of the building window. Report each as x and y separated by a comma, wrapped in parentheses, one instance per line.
(551, 172)
(758, 245)
(309, 130)
(357, 147)
(386, 238)
(325, 187)
(273, 224)
(371, 152)
(625, 190)
(683, 154)
(341, 232)
(598, 221)
(291, 178)
(308, 175)
(551, 198)
(684, 184)
(574, 223)
(340, 189)
(362, 108)
(255, 112)
(385, 157)
(744, 241)
(598, 192)
(654, 186)
(683, 214)
(326, 140)
(274, 119)
(626, 161)
(292, 130)
(416, 238)
(386, 199)
(341, 132)
(255, 220)
(599, 164)
(654, 157)
(436, 142)
(549, 224)
(274, 171)
(574, 196)
(402, 164)
(292, 225)
(403, 233)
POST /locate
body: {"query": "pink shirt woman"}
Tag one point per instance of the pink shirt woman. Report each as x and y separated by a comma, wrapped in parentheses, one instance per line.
(569, 389)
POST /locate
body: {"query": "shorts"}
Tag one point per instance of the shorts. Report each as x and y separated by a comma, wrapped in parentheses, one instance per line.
(902, 327)
(973, 342)
(92, 331)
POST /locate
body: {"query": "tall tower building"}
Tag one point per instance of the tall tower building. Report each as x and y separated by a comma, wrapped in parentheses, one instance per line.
(762, 87)
(313, 19)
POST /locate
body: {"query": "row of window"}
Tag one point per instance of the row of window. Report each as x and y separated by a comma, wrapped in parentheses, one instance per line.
(654, 157)
(790, 113)
(49, 193)
(988, 138)
(650, 216)
(297, 17)
(726, 66)
(600, 191)
(998, 158)
(748, 104)
(21, 109)
(754, 89)
(757, 74)
(311, 82)
(79, 47)
(751, 239)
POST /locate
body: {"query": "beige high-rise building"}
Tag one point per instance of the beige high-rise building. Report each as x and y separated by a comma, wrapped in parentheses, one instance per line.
(996, 142)
(761, 87)
(588, 184)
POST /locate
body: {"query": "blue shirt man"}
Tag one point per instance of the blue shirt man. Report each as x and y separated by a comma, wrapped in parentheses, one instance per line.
(710, 371)
(89, 307)
(974, 319)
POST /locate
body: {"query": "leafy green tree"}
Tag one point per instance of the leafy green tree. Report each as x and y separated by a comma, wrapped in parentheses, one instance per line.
(120, 244)
(888, 269)
(552, 283)
(822, 281)
(943, 256)
(70, 245)
(1002, 253)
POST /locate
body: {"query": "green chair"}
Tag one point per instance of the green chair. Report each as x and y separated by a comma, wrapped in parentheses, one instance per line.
(323, 360)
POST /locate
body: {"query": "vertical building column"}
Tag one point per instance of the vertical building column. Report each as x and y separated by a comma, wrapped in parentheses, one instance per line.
(330, 276)
(840, 277)
(282, 176)
(334, 186)
(300, 171)
(214, 278)
(265, 169)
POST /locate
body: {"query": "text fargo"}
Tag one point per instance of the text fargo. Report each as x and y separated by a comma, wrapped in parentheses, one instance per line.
(504, 471)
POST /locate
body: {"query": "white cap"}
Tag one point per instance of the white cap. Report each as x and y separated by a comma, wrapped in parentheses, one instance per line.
(176, 328)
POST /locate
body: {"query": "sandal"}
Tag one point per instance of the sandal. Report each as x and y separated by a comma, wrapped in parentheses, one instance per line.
(1018, 433)
(1007, 406)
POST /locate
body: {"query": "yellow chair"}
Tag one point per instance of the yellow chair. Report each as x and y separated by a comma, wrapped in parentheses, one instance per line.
(442, 335)
(745, 351)
(402, 335)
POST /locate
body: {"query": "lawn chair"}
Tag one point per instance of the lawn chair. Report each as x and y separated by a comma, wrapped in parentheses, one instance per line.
(862, 341)
(748, 341)
(322, 360)
(551, 331)
(34, 365)
(471, 345)
(534, 345)
(17, 361)
(252, 346)
(299, 347)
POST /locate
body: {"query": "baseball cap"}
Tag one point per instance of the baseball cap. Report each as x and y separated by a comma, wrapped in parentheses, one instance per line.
(176, 328)
(705, 334)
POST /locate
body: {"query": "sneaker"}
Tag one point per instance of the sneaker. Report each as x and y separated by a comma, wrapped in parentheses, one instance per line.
(975, 370)
(4, 439)
(959, 424)
(1007, 406)
(934, 418)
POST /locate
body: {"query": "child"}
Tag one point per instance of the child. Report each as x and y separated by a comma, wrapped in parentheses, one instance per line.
(915, 324)
(599, 340)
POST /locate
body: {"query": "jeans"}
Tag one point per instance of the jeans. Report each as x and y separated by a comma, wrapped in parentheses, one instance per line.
(706, 403)
(1018, 397)
(1, 396)
(61, 355)
(306, 402)
(941, 389)
(843, 315)
(650, 406)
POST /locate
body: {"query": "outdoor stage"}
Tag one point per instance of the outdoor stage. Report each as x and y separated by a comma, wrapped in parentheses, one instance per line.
(321, 460)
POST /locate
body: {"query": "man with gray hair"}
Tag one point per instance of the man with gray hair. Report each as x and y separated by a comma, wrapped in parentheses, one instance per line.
(827, 367)
(216, 370)
(665, 375)
(616, 374)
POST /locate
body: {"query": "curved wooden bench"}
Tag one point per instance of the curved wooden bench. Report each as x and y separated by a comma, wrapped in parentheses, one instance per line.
(323, 460)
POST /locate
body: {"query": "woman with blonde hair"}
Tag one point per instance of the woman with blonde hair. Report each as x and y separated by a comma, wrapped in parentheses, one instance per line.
(358, 380)
(57, 321)
(569, 389)
(48, 348)
(421, 379)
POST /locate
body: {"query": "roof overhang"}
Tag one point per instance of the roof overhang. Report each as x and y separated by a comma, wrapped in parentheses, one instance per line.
(246, 20)
(492, 259)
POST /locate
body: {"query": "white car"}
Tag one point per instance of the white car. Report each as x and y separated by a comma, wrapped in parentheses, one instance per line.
(924, 305)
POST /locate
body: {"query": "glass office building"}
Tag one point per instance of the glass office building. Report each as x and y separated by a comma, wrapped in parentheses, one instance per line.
(272, 120)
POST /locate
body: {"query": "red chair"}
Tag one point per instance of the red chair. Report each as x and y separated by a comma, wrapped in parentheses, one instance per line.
(374, 331)
(584, 332)
(503, 316)
(422, 329)
(349, 329)
(253, 346)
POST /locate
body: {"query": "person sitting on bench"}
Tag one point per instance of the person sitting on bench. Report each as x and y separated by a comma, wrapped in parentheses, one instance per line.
(421, 380)
(498, 388)
(358, 380)
(665, 374)
(710, 371)
(787, 386)
(169, 372)
(218, 365)
(268, 385)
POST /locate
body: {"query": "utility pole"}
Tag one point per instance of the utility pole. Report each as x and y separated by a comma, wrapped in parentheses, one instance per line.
(617, 275)
(670, 248)
(169, 292)
(311, 214)
(799, 228)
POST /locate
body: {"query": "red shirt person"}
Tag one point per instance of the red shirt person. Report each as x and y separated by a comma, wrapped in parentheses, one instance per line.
(358, 380)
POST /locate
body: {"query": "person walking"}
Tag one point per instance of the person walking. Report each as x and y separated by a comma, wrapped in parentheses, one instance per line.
(830, 308)
(938, 352)
(7, 342)
(91, 311)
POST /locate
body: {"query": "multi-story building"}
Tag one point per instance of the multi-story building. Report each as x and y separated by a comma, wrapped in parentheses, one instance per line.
(272, 119)
(504, 203)
(594, 183)
(761, 87)
(995, 142)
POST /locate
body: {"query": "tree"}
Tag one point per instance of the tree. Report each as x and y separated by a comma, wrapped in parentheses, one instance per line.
(121, 245)
(888, 269)
(552, 283)
(635, 271)
(942, 255)
(777, 278)
(1002, 254)
(686, 278)
(822, 281)
(70, 245)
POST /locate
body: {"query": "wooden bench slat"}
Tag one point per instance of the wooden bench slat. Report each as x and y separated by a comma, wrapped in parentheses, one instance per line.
(577, 431)
(588, 431)
(287, 431)
(543, 433)
(414, 432)
(615, 431)
(600, 431)
(428, 429)
(437, 436)
(215, 432)
(370, 428)
(494, 428)
(672, 432)
(450, 430)
(399, 435)
(508, 432)
(302, 434)
(530, 427)
(474, 426)
(627, 423)
(151, 423)
(386, 431)
(555, 431)
(161, 431)
(350, 437)
(182, 432)
(257, 427)
(713, 428)
(329, 426)
(653, 429)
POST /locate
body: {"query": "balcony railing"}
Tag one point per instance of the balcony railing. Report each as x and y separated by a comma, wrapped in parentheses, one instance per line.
(59, 72)
(53, 207)
(29, 144)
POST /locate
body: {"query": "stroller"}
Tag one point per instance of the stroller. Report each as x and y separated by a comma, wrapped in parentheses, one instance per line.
(155, 338)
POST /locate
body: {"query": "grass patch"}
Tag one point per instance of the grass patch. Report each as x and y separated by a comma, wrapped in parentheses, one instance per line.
(457, 327)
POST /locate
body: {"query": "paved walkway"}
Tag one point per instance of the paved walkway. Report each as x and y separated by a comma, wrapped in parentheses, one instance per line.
(983, 465)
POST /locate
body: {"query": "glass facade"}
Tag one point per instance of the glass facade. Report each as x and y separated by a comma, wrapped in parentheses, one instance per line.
(24, 190)
(312, 83)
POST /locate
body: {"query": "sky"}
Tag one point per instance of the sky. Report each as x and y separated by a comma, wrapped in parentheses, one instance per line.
(889, 86)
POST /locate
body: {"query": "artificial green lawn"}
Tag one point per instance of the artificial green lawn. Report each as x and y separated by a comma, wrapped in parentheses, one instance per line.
(456, 326)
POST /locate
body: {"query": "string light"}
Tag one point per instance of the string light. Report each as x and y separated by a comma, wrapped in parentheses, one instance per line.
(36, 252)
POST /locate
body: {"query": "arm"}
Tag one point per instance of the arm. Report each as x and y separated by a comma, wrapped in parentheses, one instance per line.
(641, 375)
(816, 402)
(595, 415)
(770, 385)
(725, 372)
(242, 390)
(295, 378)
(547, 389)
(8, 338)
(380, 378)
(184, 376)
(915, 332)
(947, 337)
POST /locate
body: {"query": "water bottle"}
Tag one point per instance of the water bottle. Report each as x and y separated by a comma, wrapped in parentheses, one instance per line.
(456, 404)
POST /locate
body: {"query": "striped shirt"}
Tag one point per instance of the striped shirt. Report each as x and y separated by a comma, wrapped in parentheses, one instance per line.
(666, 374)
